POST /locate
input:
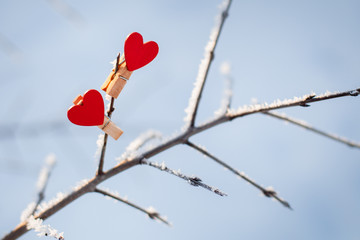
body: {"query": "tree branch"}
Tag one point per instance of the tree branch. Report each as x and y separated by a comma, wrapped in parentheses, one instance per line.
(139, 142)
(205, 66)
(151, 214)
(303, 102)
(194, 181)
(179, 139)
(183, 137)
(310, 128)
(109, 113)
(267, 192)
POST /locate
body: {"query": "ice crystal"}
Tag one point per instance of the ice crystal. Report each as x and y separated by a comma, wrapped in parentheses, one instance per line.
(43, 230)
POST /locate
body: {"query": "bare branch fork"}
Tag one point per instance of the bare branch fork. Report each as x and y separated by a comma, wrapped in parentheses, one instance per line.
(183, 138)
(267, 192)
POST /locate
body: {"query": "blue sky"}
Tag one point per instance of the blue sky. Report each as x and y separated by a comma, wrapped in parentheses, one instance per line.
(277, 49)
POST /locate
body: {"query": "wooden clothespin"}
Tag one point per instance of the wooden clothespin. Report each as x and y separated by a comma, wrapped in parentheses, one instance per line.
(137, 54)
(89, 111)
(115, 82)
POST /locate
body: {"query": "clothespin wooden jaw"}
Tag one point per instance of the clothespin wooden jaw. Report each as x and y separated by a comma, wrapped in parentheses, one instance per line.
(108, 126)
(115, 82)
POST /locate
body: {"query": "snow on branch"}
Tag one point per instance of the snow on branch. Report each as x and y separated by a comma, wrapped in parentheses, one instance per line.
(151, 212)
(204, 67)
(194, 181)
(296, 101)
(268, 192)
(60, 196)
(139, 142)
(305, 125)
(43, 230)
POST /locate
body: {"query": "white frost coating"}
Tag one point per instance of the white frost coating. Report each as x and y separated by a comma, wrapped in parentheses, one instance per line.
(81, 184)
(151, 210)
(132, 149)
(27, 211)
(60, 196)
(46, 205)
(202, 148)
(99, 144)
(50, 160)
(113, 63)
(112, 192)
(264, 106)
(202, 70)
(43, 230)
(163, 166)
(327, 93)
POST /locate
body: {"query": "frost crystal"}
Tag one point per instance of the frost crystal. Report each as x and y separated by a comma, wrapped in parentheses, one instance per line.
(46, 205)
(265, 106)
(132, 149)
(163, 167)
(151, 209)
(80, 184)
(43, 230)
(27, 211)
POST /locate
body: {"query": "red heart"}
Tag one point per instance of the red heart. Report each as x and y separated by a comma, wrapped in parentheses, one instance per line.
(90, 112)
(138, 54)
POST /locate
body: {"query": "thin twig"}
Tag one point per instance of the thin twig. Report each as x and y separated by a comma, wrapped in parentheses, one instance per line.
(109, 113)
(141, 140)
(151, 214)
(303, 102)
(267, 192)
(194, 181)
(203, 72)
(310, 128)
(43, 180)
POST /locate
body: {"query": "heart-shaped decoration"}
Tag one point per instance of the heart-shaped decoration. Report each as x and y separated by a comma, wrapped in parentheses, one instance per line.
(138, 54)
(90, 112)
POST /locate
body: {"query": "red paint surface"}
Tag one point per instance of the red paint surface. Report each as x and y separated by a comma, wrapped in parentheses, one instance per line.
(90, 112)
(137, 53)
